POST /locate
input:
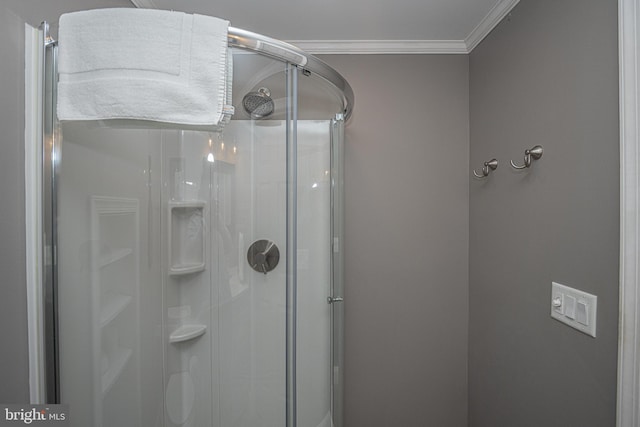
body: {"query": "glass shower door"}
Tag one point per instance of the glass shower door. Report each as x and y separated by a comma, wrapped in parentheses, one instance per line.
(251, 309)
(110, 285)
(163, 318)
(173, 308)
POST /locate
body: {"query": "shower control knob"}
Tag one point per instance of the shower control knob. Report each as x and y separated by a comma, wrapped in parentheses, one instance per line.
(263, 256)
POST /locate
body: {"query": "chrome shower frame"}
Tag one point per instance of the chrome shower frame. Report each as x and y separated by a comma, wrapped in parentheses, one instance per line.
(50, 165)
(289, 53)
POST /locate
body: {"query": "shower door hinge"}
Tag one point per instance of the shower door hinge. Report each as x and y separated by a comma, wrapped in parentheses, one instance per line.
(331, 300)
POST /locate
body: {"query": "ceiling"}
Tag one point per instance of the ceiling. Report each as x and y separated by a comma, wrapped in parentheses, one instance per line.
(358, 26)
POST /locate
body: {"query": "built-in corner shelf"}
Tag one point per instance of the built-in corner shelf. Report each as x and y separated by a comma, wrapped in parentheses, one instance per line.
(186, 333)
(186, 237)
(116, 366)
(115, 302)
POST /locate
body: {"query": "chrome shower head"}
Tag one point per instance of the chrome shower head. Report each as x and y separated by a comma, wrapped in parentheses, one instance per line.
(258, 104)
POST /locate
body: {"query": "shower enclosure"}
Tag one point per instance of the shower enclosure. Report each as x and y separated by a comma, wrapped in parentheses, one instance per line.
(194, 276)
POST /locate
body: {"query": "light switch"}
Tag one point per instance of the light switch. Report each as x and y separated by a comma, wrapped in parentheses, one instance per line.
(570, 307)
(574, 308)
(582, 313)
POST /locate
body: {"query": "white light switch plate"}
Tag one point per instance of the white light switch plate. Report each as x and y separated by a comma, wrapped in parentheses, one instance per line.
(578, 309)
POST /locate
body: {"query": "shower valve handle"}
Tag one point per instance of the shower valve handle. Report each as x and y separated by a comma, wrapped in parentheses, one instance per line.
(263, 256)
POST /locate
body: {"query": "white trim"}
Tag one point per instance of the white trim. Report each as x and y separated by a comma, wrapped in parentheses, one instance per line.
(381, 47)
(390, 47)
(628, 409)
(415, 47)
(33, 209)
(489, 22)
(420, 47)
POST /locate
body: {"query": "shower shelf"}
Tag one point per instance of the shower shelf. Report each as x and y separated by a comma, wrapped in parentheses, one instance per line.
(114, 256)
(178, 270)
(186, 237)
(114, 371)
(114, 306)
(186, 333)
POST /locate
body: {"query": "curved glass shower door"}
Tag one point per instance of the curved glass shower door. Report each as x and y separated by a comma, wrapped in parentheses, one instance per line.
(195, 267)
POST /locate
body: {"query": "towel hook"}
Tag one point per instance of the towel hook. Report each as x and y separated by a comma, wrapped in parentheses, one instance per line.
(535, 153)
(489, 166)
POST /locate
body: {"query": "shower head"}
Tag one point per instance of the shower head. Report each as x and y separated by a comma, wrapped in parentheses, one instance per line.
(258, 104)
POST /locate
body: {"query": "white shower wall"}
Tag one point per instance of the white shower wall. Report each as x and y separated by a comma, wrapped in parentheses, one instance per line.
(234, 373)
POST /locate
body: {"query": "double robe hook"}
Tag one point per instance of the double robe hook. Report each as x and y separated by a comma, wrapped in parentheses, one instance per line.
(533, 153)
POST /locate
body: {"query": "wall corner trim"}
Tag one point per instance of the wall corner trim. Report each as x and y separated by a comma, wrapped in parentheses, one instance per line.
(628, 404)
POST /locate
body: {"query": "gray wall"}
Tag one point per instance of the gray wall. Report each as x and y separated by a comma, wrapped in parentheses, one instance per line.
(14, 374)
(406, 185)
(546, 76)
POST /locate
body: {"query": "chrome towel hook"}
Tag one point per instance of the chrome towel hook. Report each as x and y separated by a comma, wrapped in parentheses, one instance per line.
(535, 153)
(489, 166)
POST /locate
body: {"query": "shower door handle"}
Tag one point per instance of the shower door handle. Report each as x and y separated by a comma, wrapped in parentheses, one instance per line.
(331, 300)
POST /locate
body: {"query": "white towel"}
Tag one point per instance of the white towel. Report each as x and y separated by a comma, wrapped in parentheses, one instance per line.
(143, 64)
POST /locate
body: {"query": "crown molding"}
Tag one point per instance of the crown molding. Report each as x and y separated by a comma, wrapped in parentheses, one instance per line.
(416, 47)
(489, 22)
(391, 47)
(380, 47)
